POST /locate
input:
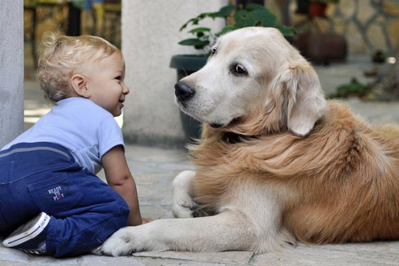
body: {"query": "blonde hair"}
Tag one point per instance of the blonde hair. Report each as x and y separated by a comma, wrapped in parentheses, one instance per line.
(64, 57)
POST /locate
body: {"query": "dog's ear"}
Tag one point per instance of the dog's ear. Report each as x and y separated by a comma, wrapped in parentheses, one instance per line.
(306, 103)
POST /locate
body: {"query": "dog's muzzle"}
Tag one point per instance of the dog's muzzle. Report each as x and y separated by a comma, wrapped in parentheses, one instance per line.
(184, 92)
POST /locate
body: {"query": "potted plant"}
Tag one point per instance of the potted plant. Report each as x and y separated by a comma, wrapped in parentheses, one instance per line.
(313, 8)
(318, 8)
(203, 39)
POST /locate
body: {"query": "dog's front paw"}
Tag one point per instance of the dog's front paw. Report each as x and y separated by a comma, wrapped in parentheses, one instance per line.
(183, 205)
(97, 251)
(184, 208)
(123, 242)
(146, 237)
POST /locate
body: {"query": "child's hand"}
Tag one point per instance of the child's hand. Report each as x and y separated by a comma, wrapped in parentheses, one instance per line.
(146, 220)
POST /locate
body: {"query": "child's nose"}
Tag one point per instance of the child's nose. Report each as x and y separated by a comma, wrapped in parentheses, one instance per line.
(126, 90)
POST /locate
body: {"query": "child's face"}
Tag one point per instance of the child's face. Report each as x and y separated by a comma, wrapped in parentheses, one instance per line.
(105, 82)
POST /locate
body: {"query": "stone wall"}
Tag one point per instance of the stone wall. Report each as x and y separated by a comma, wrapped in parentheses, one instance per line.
(367, 25)
(11, 70)
(150, 33)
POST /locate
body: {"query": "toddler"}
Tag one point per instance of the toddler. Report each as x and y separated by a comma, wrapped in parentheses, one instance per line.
(51, 200)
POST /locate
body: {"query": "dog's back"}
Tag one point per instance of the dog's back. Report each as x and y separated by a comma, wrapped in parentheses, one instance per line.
(355, 198)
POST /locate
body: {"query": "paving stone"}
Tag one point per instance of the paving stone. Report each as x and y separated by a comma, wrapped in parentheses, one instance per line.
(12, 255)
(153, 212)
(229, 258)
(171, 262)
(167, 201)
(91, 260)
(15, 257)
(146, 179)
(377, 113)
(378, 254)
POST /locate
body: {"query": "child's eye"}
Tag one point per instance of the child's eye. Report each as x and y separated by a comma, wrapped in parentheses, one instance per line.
(118, 77)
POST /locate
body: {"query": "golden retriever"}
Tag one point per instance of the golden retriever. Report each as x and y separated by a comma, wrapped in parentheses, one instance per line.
(276, 163)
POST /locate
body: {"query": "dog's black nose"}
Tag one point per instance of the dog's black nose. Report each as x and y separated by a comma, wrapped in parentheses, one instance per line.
(183, 91)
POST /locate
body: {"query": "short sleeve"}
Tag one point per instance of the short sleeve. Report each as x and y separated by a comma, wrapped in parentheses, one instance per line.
(110, 135)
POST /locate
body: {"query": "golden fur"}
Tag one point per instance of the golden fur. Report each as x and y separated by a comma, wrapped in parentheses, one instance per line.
(345, 175)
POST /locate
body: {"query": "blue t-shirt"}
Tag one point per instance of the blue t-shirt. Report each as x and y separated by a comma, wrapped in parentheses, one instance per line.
(87, 130)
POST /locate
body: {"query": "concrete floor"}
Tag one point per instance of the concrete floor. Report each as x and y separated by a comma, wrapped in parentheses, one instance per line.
(154, 170)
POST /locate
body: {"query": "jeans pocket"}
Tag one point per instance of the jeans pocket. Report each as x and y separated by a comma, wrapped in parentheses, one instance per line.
(56, 194)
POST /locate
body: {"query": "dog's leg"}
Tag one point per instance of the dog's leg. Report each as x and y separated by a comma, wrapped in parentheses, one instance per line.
(229, 230)
(183, 204)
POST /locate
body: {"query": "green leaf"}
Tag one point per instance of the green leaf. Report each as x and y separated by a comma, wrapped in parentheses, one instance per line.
(202, 16)
(353, 87)
(205, 15)
(244, 18)
(202, 46)
(226, 11)
(213, 15)
(197, 30)
(195, 20)
(263, 17)
(286, 31)
(186, 24)
(251, 7)
(227, 29)
(194, 42)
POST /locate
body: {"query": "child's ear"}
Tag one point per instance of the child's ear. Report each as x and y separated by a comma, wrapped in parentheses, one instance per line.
(79, 85)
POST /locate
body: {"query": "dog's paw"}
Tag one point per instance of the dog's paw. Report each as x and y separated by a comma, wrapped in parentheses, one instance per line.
(128, 240)
(184, 208)
(97, 251)
(183, 205)
(123, 242)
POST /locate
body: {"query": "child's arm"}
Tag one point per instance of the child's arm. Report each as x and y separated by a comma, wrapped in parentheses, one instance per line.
(121, 180)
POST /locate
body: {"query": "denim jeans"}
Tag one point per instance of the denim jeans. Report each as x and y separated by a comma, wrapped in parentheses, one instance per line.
(44, 177)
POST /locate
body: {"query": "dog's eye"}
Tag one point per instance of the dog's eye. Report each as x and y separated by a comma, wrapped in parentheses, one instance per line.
(213, 51)
(240, 70)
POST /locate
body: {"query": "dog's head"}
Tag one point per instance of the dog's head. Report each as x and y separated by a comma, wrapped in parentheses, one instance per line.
(254, 82)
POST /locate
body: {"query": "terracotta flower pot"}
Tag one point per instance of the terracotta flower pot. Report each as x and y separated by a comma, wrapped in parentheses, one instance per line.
(318, 9)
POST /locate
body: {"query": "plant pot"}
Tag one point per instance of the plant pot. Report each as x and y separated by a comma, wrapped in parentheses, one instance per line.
(302, 7)
(186, 65)
(322, 47)
(318, 9)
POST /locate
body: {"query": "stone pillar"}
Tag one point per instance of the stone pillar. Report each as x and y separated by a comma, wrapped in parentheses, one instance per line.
(11, 70)
(150, 33)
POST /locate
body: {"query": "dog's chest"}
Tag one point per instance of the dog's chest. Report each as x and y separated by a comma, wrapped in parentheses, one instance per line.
(210, 188)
